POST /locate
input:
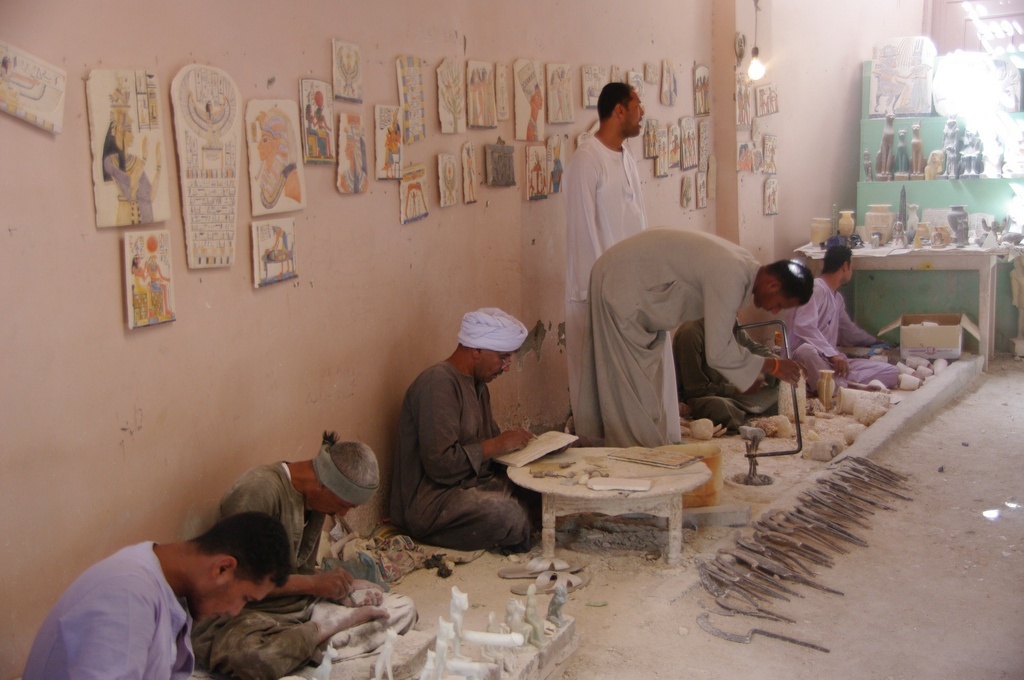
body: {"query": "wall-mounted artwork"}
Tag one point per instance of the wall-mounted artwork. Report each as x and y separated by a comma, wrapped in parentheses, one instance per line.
(594, 78)
(661, 160)
(410, 94)
(756, 158)
(560, 109)
(615, 75)
(744, 161)
(528, 77)
(669, 82)
(348, 71)
(556, 165)
(413, 193)
(276, 178)
(127, 137)
(701, 90)
(650, 73)
(636, 79)
(744, 101)
(901, 77)
(688, 131)
(273, 251)
(500, 164)
(767, 100)
(31, 89)
(702, 190)
(770, 146)
(448, 179)
(148, 278)
(674, 146)
(208, 130)
(686, 191)
(537, 174)
(317, 99)
(503, 106)
(712, 178)
(451, 97)
(353, 176)
(650, 137)
(703, 144)
(960, 74)
(771, 196)
(481, 109)
(469, 171)
(388, 141)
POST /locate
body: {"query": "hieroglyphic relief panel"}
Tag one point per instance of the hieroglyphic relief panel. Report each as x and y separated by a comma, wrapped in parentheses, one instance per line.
(537, 174)
(352, 168)
(469, 173)
(502, 105)
(348, 71)
(388, 141)
(127, 139)
(481, 109)
(500, 164)
(529, 99)
(688, 130)
(31, 89)
(594, 79)
(148, 276)
(317, 99)
(276, 177)
(273, 251)
(448, 179)
(669, 82)
(208, 131)
(560, 108)
(410, 94)
(413, 193)
(451, 97)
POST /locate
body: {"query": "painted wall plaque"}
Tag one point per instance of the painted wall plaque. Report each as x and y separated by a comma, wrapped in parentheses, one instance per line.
(556, 162)
(448, 179)
(451, 97)
(537, 174)
(469, 173)
(388, 141)
(529, 99)
(276, 177)
(149, 278)
(701, 90)
(480, 105)
(410, 94)
(593, 78)
(503, 106)
(317, 100)
(208, 132)
(127, 137)
(348, 71)
(674, 146)
(688, 130)
(560, 109)
(353, 176)
(413, 193)
(669, 82)
(273, 251)
(500, 165)
(31, 89)
(901, 77)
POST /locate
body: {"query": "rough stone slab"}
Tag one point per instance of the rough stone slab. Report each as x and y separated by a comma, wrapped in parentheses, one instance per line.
(406, 661)
(731, 515)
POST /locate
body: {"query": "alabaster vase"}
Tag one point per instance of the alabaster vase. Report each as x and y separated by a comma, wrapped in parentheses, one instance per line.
(821, 229)
(878, 219)
(846, 223)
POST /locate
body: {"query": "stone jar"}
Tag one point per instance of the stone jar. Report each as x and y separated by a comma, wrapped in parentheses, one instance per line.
(821, 229)
(957, 219)
(846, 223)
(879, 219)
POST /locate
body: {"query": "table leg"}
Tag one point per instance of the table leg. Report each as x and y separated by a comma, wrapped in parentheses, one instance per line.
(547, 532)
(675, 531)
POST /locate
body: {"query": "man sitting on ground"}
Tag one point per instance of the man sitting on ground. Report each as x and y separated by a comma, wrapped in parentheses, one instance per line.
(290, 627)
(709, 394)
(445, 491)
(823, 325)
(123, 617)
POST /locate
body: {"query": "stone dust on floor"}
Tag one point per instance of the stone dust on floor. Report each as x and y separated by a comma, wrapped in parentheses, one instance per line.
(936, 593)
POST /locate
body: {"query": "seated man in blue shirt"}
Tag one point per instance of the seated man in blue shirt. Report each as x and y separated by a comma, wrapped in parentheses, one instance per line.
(124, 618)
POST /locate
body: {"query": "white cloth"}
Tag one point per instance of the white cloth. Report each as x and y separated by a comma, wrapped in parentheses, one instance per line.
(640, 289)
(490, 328)
(604, 205)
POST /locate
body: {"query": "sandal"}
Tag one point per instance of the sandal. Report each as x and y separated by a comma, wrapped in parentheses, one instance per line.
(549, 580)
(537, 566)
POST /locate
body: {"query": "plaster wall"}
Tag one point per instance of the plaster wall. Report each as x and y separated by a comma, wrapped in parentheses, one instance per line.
(111, 436)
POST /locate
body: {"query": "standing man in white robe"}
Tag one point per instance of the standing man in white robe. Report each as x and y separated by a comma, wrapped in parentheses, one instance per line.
(604, 205)
(648, 285)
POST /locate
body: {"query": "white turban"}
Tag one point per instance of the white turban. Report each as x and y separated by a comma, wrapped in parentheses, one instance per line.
(490, 328)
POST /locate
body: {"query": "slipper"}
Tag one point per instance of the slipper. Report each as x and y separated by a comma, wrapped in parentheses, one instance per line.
(549, 580)
(537, 566)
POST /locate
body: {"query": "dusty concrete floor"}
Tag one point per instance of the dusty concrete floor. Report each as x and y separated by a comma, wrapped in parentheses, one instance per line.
(936, 594)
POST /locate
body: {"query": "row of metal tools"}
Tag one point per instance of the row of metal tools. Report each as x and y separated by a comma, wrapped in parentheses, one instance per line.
(787, 546)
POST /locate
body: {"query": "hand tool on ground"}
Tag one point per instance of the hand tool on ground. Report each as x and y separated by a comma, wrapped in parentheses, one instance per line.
(783, 523)
(844, 488)
(774, 568)
(702, 621)
(856, 474)
(830, 508)
(876, 468)
(786, 541)
(729, 575)
(831, 526)
(728, 560)
(832, 497)
(775, 553)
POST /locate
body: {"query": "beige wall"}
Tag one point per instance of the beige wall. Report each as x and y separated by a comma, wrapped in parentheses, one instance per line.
(111, 437)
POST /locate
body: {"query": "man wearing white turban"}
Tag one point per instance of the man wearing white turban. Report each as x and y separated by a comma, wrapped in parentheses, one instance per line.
(444, 491)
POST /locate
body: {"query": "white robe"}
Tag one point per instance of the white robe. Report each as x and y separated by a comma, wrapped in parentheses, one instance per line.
(604, 205)
(639, 290)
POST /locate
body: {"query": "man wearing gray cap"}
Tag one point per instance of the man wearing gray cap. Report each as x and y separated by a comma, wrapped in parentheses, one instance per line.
(444, 491)
(291, 627)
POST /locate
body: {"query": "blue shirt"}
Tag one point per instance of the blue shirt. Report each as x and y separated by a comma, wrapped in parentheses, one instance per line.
(119, 619)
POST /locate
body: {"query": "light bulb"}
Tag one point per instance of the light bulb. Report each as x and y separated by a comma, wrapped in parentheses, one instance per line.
(756, 69)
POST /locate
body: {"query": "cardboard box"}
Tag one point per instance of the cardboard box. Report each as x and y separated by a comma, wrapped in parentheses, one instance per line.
(932, 336)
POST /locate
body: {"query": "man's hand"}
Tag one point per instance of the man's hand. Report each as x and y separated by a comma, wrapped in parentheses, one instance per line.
(333, 585)
(840, 365)
(364, 594)
(788, 371)
(506, 442)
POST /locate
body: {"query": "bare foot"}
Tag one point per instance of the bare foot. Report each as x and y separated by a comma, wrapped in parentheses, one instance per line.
(332, 619)
(363, 594)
